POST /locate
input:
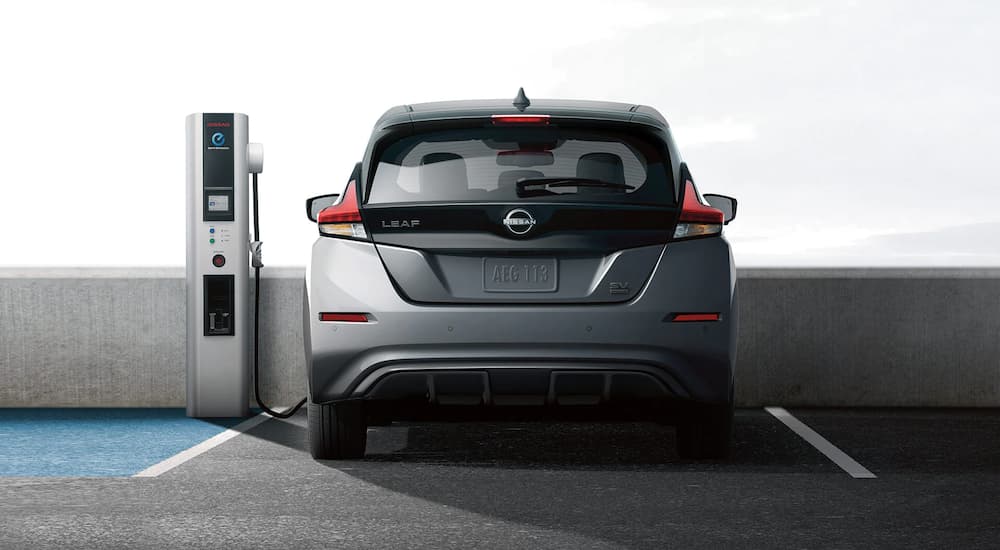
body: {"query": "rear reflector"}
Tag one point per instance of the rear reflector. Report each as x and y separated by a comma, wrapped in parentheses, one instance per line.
(344, 317)
(520, 119)
(694, 317)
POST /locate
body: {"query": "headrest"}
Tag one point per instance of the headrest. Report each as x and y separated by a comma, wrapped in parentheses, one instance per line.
(431, 158)
(443, 175)
(510, 177)
(601, 166)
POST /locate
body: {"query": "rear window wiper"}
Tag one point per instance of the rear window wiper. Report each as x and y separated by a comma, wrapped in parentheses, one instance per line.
(523, 185)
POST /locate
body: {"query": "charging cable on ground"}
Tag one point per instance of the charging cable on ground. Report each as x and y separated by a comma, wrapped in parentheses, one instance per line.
(257, 264)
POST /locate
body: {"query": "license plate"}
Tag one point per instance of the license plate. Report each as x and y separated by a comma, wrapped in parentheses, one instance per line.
(519, 275)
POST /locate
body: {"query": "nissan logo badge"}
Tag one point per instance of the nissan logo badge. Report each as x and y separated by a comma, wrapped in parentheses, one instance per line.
(518, 221)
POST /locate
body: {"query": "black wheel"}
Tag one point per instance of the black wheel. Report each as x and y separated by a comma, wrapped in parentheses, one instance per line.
(337, 430)
(706, 432)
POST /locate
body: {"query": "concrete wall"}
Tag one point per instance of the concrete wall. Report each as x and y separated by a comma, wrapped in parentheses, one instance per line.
(116, 338)
(840, 337)
(886, 337)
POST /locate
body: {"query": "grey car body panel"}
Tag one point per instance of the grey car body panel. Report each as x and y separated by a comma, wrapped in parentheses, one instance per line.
(690, 276)
(458, 278)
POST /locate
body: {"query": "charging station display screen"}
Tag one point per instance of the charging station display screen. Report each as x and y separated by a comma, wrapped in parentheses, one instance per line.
(218, 203)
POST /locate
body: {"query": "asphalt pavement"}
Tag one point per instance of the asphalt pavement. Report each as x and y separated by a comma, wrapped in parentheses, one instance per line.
(545, 485)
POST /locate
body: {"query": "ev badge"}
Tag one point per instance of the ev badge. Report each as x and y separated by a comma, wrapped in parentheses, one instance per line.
(518, 221)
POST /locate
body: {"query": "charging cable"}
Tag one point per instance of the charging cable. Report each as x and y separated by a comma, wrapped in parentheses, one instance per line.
(257, 264)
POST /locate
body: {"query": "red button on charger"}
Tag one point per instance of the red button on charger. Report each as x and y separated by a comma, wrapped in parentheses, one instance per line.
(218, 260)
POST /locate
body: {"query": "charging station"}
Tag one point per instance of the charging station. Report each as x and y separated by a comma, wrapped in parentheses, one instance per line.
(219, 161)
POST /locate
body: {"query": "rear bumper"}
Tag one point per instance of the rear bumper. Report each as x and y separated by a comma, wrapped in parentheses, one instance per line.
(691, 361)
(524, 375)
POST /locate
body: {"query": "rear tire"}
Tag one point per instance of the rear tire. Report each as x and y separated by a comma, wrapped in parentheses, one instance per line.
(707, 433)
(337, 430)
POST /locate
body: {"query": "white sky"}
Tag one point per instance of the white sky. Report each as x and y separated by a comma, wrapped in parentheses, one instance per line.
(852, 133)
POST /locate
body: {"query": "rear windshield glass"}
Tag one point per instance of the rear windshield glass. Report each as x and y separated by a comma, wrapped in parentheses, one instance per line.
(542, 163)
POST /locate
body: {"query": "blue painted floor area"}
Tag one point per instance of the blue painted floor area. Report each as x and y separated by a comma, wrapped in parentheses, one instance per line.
(96, 442)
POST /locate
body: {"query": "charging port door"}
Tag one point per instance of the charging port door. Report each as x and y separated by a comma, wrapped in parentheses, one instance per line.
(219, 310)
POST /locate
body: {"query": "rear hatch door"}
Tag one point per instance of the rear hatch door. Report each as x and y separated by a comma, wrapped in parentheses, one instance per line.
(558, 212)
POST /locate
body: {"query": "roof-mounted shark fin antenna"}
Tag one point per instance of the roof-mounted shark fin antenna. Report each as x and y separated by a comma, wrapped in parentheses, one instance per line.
(521, 102)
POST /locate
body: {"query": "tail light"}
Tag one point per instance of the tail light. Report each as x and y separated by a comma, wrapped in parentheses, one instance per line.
(344, 218)
(697, 219)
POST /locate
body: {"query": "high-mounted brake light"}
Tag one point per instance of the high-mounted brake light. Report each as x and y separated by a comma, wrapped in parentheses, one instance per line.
(694, 317)
(344, 317)
(344, 218)
(520, 119)
(697, 219)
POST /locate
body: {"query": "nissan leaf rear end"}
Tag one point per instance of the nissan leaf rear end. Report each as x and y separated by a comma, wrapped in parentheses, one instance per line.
(543, 259)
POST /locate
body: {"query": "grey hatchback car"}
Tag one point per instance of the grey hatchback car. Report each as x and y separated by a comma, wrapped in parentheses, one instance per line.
(520, 259)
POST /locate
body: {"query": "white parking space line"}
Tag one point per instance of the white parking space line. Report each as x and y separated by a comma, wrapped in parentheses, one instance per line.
(204, 446)
(838, 457)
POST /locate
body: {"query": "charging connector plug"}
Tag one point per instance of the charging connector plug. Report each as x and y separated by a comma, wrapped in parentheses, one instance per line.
(255, 258)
